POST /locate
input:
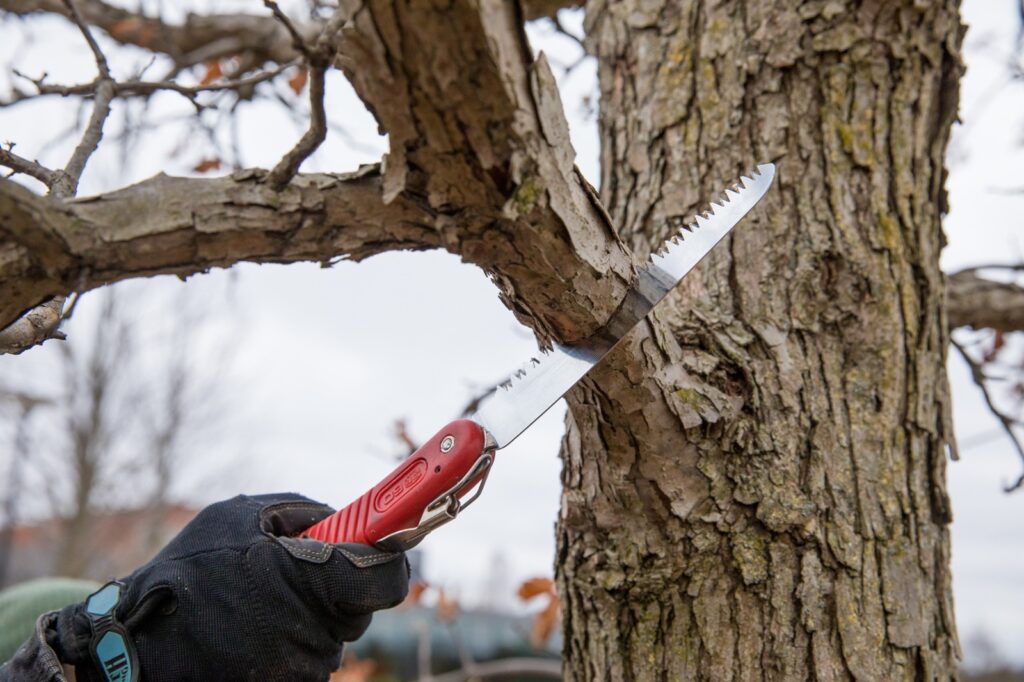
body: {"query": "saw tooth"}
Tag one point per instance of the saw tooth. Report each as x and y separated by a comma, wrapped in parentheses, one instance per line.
(522, 371)
(547, 376)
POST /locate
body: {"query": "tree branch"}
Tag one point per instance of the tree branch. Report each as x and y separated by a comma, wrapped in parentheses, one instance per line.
(319, 58)
(982, 303)
(199, 39)
(19, 164)
(1006, 421)
(182, 226)
(314, 136)
(140, 88)
(476, 126)
(32, 328)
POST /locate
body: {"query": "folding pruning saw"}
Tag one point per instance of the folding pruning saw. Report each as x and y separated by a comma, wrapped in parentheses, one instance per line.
(433, 485)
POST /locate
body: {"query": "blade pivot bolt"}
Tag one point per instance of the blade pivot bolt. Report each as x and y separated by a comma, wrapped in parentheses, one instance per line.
(447, 443)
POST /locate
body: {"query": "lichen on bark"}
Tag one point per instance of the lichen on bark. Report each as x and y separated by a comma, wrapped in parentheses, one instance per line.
(754, 487)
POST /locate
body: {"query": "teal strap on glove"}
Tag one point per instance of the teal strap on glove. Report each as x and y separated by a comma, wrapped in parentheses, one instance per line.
(111, 648)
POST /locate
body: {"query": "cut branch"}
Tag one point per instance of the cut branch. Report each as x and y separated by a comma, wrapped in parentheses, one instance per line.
(182, 226)
(476, 126)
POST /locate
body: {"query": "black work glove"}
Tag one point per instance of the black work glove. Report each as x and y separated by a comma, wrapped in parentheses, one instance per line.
(235, 597)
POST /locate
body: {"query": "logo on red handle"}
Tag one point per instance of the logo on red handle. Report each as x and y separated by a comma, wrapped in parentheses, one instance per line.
(398, 488)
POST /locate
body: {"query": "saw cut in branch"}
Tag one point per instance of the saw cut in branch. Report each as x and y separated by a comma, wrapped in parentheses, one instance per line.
(476, 126)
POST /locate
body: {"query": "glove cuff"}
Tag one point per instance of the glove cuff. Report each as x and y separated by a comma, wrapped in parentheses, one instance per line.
(72, 634)
(89, 635)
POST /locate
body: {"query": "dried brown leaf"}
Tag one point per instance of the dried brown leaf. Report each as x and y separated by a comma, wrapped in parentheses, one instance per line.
(298, 81)
(133, 30)
(354, 669)
(207, 165)
(998, 341)
(545, 622)
(416, 591)
(536, 586)
(213, 71)
(447, 607)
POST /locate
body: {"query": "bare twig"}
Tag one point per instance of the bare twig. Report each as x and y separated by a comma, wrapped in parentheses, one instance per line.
(32, 328)
(288, 166)
(19, 164)
(199, 38)
(297, 40)
(560, 28)
(319, 61)
(141, 88)
(101, 60)
(75, 298)
(1007, 422)
(43, 321)
(67, 185)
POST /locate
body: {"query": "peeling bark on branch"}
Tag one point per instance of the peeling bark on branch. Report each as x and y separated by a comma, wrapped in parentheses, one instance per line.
(973, 301)
(476, 126)
(476, 129)
(182, 226)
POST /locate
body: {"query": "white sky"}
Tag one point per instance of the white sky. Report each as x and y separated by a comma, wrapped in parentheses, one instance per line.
(328, 359)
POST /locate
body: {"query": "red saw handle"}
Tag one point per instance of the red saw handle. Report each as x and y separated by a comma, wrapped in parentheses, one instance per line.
(423, 493)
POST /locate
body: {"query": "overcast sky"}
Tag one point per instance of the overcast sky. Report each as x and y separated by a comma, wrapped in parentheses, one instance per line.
(328, 359)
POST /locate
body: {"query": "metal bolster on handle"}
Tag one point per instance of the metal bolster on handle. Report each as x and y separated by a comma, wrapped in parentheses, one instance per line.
(445, 507)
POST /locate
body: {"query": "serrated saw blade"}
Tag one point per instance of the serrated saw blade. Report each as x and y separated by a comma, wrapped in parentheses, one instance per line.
(531, 391)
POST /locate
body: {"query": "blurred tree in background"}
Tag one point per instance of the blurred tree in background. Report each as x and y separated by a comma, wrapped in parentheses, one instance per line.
(97, 449)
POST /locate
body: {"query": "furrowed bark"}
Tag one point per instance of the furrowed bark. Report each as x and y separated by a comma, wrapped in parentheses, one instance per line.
(182, 226)
(755, 488)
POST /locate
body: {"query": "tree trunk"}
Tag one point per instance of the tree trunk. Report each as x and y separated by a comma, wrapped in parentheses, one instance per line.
(754, 488)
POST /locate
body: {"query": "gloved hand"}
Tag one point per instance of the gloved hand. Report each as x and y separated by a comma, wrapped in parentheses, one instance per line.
(235, 597)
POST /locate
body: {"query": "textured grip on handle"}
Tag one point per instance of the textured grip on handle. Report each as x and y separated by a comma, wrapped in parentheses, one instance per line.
(399, 501)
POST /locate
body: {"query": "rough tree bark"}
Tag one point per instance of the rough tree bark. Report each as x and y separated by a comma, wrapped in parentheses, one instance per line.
(754, 484)
(757, 489)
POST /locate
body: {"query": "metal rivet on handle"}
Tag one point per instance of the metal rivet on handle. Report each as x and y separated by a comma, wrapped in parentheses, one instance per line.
(447, 443)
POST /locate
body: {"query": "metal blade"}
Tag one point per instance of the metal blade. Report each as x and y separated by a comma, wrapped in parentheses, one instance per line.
(531, 391)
